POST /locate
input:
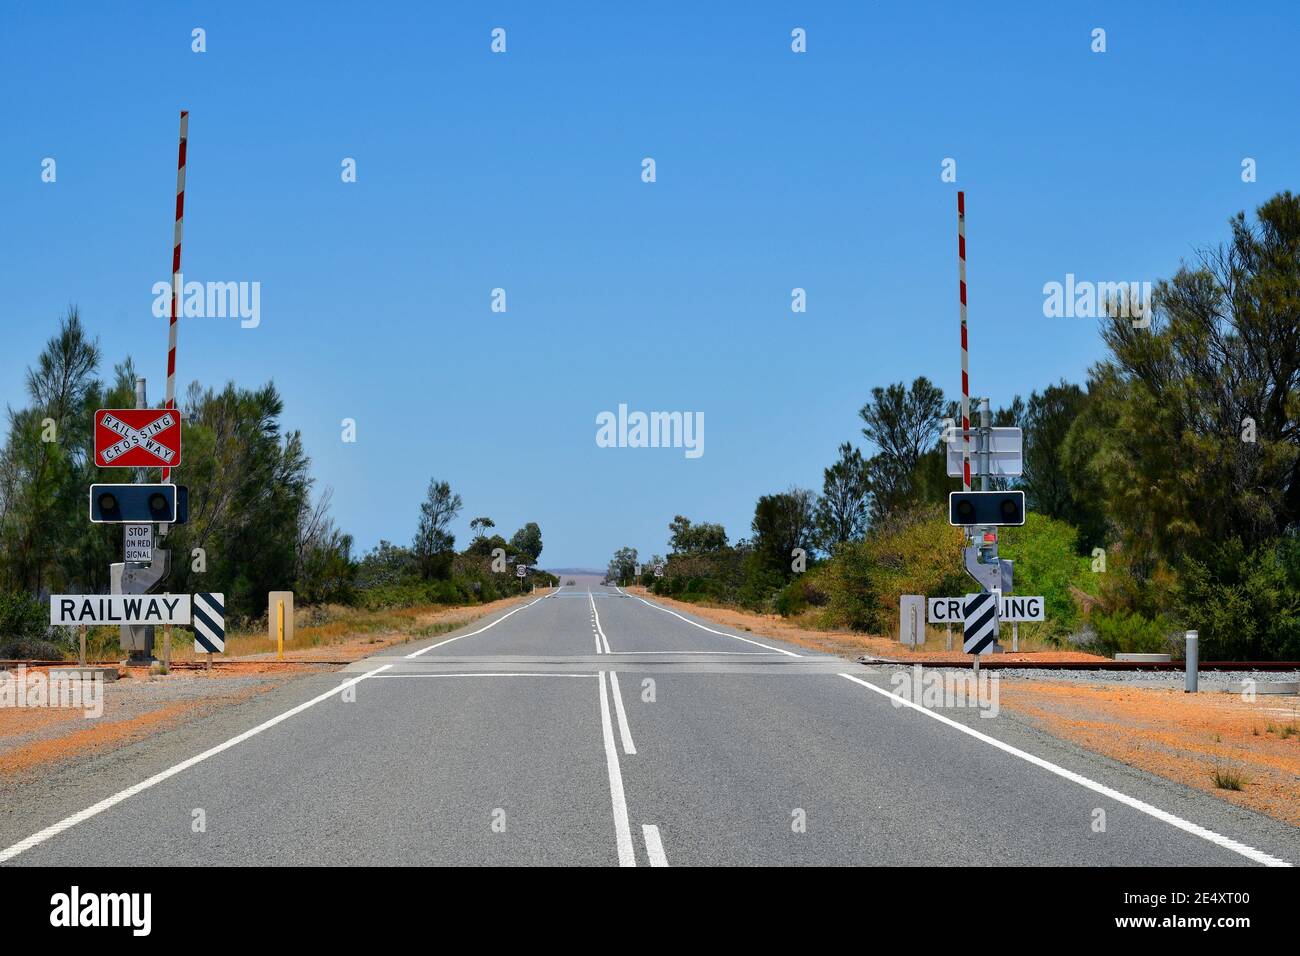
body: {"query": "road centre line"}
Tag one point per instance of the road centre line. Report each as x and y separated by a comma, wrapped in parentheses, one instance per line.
(622, 829)
(1218, 839)
(624, 731)
(720, 633)
(654, 847)
(600, 632)
(450, 640)
(69, 822)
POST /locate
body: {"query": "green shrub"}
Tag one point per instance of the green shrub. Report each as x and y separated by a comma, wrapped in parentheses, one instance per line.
(25, 628)
(1046, 563)
(1125, 632)
(1245, 605)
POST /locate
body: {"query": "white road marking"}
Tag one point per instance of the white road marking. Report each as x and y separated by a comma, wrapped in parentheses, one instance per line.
(450, 640)
(496, 674)
(720, 633)
(600, 633)
(654, 847)
(622, 829)
(624, 731)
(723, 653)
(1195, 829)
(68, 823)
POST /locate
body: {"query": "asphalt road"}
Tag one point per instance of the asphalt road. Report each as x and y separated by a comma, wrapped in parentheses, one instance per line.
(595, 728)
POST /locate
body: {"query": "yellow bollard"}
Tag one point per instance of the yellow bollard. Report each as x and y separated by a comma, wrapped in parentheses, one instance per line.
(279, 630)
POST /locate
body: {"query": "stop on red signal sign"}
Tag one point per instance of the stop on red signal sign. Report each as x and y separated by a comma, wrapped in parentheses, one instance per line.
(137, 437)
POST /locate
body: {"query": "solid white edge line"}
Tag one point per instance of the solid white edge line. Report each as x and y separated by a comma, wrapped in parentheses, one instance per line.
(1195, 829)
(624, 731)
(654, 846)
(451, 640)
(622, 828)
(68, 823)
(658, 607)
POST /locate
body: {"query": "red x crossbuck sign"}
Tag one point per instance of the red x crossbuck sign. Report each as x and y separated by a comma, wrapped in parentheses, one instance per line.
(137, 437)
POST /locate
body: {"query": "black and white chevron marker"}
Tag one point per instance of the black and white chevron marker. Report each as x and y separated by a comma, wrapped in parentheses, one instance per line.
(209, 622)
(981, 622)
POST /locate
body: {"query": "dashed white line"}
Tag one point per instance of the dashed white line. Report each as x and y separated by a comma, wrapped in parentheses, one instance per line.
(68, 823)
(622, 828)
(1195, 829)
(720, 633)
(654, 846)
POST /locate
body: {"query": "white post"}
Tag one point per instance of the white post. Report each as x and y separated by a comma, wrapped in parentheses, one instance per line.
(1015, 636)
(1193, 661)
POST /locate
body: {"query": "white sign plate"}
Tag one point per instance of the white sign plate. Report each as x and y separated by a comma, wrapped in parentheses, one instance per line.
(1006, 452)
(119, 609)
(1015, 608)
(138, 540)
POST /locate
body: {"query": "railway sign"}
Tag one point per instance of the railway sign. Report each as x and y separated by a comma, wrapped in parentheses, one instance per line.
(210, 622)
(119, 609)
(1019, 608)
(980, 619)
(138, 542)
(137, 437)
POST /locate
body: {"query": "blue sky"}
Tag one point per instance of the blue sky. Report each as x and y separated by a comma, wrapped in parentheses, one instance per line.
(522, 171)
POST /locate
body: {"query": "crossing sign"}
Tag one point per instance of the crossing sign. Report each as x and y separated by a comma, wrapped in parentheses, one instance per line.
(137, 437)
(980, 617)
(1014, 607)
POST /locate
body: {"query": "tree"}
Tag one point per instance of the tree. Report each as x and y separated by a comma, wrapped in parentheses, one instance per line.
(1046, 420)
(904, 425)
(481, 526)
(1192, 432)
(622, 567)
(433, 541)
(527, 541)
(844, 508)
(782, 522)
(703, 538)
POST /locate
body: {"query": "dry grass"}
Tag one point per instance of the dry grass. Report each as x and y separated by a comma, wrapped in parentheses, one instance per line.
(1227, 778)
(1221, 744)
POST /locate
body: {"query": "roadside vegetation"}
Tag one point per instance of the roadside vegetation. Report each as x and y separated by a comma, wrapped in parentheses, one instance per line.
(1164, 492)
(256, 523)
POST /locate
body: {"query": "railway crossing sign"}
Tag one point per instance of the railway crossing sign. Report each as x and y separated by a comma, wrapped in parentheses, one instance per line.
(210, 622)
(119, 609)
(1017, 608)
(137, 437)
(980, 616)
